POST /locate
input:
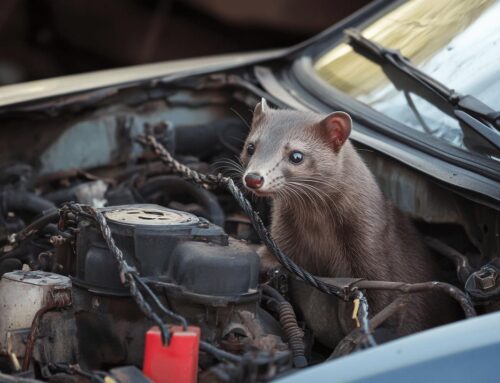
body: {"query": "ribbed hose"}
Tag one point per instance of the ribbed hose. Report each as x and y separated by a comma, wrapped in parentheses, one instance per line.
(293, 332)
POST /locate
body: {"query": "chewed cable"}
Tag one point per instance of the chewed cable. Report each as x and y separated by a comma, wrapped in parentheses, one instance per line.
(213, 181)
(348, 293)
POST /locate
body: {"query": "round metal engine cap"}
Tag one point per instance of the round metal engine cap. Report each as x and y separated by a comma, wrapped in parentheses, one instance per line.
(150, 215)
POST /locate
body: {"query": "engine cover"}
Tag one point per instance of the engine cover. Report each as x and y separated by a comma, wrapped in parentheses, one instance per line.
(174, 247)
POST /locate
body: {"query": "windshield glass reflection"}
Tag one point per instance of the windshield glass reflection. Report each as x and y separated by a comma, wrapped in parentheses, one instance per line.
(456, 42)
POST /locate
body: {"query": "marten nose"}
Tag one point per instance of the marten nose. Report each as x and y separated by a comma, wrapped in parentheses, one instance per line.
(254, 180)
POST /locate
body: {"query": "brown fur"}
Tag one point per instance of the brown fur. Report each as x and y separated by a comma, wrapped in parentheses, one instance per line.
(337, 223)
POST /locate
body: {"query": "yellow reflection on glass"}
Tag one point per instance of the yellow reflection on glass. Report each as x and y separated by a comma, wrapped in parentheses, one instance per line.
(418, 28)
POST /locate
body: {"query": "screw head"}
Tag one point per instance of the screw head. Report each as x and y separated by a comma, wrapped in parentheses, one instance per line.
(486, 278)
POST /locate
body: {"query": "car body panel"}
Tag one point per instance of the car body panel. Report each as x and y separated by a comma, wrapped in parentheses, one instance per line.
(60, 86)
(461, 352)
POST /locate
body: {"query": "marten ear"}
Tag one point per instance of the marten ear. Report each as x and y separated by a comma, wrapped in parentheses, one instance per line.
(335, 128)
(261, 108)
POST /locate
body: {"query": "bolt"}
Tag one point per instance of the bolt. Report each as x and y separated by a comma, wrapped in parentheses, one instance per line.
(486, 278)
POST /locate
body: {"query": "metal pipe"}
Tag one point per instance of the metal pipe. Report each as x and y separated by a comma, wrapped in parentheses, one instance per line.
(388, 311)
(464, 269)
(409, 288)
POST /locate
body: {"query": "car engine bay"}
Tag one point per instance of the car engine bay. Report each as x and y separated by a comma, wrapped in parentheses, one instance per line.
(69, 311)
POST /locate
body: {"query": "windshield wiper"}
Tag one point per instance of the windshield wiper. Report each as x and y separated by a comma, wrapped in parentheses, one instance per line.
(466, 108)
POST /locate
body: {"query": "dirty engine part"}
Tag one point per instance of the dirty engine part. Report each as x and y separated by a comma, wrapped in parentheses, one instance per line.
(199, 272)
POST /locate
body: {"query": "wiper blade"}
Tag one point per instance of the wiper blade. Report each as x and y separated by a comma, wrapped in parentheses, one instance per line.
(467, 109)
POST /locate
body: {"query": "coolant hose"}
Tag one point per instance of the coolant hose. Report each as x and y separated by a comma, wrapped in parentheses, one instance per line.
(25, 201)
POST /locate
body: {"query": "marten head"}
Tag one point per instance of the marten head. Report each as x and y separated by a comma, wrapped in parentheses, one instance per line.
(293, 153)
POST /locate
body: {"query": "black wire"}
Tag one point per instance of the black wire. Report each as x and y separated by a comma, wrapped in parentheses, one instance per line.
(218, 353)
(134, 280)
(36, 225)
(209, 180)
(130, 277)
(273, 293)
(267, 239)
(168, 312)
(127, 272)
(73, 370)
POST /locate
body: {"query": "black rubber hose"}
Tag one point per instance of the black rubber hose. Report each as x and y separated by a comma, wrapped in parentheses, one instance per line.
(174, 185)
(218, 353)
(291, 328)
(25, 201)
(48, 217)
(59, 197)
(273, 293)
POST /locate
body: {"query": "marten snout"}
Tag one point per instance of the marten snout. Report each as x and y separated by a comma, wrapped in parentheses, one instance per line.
(254, 180)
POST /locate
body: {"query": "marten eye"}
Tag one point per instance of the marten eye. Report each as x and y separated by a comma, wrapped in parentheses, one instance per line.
(250, 149)
(296, 157)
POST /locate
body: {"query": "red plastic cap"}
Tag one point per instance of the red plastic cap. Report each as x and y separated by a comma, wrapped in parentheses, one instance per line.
(176, 362)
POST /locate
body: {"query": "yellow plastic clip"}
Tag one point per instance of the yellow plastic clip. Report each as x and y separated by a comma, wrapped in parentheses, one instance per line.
(109, 379)
(15, 362)
(355, 311)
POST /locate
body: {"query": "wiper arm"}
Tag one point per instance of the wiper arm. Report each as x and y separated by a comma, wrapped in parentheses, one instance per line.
(466, 108)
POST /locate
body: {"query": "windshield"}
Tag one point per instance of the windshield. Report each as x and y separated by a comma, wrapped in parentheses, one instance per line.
(455, 42)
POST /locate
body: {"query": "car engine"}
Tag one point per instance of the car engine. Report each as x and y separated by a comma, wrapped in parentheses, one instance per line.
(76, 308)
(100, 242)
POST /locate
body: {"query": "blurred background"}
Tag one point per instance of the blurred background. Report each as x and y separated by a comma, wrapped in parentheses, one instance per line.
(47, 38)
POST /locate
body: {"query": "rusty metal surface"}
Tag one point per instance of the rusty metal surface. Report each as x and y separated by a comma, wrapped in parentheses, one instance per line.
(58, 299)
(38, 289)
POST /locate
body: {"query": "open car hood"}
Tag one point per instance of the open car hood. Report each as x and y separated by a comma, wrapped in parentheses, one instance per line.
(65, 85)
